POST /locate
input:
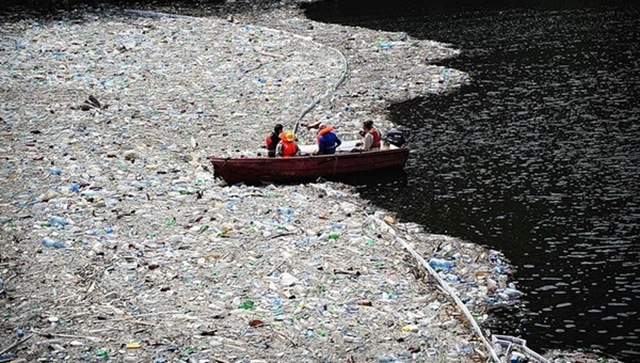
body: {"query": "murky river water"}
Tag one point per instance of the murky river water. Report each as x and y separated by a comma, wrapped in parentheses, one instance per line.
(539, 157)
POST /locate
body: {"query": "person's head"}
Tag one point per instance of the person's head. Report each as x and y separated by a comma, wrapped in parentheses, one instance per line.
(277, 128)
(322, 126)
(367, 125)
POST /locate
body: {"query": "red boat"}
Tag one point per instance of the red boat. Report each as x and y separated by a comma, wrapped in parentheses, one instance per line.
(343, 164)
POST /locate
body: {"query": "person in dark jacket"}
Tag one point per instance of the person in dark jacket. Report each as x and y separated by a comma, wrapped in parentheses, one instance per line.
(272, 140)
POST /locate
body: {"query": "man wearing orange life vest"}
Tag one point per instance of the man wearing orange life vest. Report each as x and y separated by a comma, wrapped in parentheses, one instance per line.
(287, 146)
(371, 136)
(328, 141)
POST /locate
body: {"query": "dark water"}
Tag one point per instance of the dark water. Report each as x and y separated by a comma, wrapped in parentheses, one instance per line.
(539, 157)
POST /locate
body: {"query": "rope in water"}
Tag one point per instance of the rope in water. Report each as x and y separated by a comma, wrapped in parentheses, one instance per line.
(461, 305)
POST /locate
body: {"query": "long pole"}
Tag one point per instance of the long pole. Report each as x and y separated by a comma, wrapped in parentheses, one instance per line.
(313, 104)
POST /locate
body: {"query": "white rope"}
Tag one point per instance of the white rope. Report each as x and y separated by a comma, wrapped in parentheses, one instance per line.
(383, 225)
(501, 339)
(455, 297)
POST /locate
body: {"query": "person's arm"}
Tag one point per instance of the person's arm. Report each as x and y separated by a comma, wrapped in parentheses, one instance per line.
(314, 125)
(368, 141)
(321, 145)
(267, 141)
(279, 149)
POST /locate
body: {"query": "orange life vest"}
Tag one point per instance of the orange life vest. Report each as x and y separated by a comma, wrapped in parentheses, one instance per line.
(324, 131)
(376, 138)
(288, 147)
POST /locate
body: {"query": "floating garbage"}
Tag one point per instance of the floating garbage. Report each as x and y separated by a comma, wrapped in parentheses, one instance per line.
(440, 264)
(52, 243)
(130, 238)
(59, 222)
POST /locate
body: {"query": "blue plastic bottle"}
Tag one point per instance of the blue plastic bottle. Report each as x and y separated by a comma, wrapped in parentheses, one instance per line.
(51, 243)
(440, 264)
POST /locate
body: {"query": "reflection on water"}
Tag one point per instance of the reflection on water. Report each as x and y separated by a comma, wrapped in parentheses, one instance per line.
(538, 158)
(389, 179)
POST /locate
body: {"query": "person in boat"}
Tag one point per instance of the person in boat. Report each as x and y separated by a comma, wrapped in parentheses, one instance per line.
(273, 139)
(328, 141)
(371, 136)
(287, 146)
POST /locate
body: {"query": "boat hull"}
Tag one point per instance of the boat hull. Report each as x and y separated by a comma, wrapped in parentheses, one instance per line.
(308, 168)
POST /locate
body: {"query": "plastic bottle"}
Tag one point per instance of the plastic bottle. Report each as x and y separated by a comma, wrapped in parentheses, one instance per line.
(498, 270)
(512, 293)
(440, 264)
(451, 278)
(102, 353)
(285, 214)
(56, 221)
(246, 305)
(51, 243)
(517, 357)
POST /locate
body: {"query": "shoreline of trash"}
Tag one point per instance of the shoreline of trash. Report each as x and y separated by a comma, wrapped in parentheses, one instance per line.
(118, 243)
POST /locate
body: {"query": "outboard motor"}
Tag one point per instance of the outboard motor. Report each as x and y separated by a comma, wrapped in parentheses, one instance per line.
(395, 137)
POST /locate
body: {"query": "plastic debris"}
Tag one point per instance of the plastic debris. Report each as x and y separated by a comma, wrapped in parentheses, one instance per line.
(52, 243)
(102, 353)
(440, 264)
(153, 249)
